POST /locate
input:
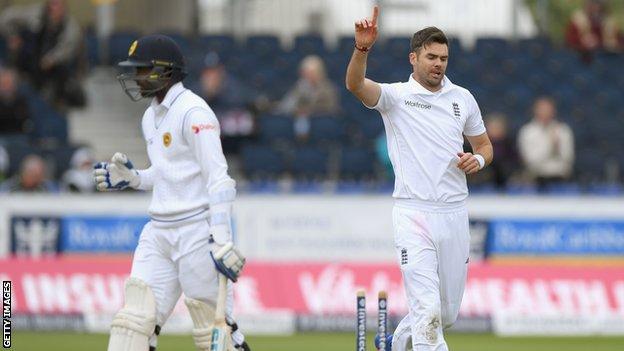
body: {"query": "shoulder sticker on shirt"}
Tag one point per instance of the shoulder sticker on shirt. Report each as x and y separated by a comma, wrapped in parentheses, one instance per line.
(199, 127)
(456, 111)
(167, 139)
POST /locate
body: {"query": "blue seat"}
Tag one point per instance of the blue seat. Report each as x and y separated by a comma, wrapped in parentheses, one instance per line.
(261, 162)
(519, 97)
(351, 187)
(370, 126)
(396, 47)
(345, 45)
(336, 66)
(536, 49)
(309, 163)
(224, 45)
(455, 47)
(118, 46)
(261, 187)
(92, 47)
(17, 151)
(264, 79)
(564, 188)
(611, 99)
(326, 129)
(491, 48)
(307, 187)
(357, 163)
(589, 166)
(48, 123)
(309, 45)
(603, 189)
(521, 189)
(353, 109)
(60, 159)
(276, 128)
(263, 46)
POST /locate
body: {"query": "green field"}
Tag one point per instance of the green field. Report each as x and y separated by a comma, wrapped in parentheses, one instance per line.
(30, 341)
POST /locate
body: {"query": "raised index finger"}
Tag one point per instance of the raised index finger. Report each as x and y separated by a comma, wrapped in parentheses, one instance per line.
(375, 14)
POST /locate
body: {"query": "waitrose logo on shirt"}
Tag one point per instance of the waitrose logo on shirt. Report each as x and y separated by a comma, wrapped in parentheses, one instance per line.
(417, 104)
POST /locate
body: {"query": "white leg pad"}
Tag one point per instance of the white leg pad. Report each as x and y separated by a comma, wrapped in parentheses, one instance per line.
(203, 316)
(135, 322)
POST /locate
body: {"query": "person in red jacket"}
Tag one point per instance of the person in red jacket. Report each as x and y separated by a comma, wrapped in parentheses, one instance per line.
(592, 28)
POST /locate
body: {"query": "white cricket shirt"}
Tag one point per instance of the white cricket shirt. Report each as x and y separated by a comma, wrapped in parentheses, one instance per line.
(187, 162)
(425, 132)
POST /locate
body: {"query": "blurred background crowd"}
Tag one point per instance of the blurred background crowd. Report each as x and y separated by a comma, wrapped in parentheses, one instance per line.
(550, 86)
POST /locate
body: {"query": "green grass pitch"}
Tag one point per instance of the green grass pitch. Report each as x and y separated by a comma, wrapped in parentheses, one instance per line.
(56, 341)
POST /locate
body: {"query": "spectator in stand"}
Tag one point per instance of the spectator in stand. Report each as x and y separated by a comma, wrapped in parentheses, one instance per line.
(546, 145)
(231, 101)
(79, 178)
(592, 28)
(313, 94)
(45, 43)
(31, 177)
(14, 113)
(501, 169)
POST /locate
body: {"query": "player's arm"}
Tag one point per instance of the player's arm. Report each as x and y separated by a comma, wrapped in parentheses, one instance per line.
(363, 88)
(482, 155)
(202, 132)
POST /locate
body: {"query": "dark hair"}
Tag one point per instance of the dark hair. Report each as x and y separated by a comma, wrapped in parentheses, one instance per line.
(427, 36)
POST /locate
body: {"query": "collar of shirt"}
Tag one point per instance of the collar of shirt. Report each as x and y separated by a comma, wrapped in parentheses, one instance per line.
(447, 85)
(170, 97)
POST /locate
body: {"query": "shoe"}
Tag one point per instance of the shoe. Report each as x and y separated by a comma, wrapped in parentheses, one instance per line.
(388, 342)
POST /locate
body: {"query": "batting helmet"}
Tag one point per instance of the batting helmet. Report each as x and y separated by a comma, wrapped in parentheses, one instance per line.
(162, 56)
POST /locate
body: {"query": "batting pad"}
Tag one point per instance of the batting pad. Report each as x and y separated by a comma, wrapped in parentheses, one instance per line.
(202, 315)
(135, 322)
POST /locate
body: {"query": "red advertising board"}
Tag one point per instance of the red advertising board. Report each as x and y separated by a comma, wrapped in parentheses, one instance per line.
(95, 285)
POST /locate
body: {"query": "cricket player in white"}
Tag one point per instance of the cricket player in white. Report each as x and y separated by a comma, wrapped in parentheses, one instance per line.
(426, 119)
(187, 242)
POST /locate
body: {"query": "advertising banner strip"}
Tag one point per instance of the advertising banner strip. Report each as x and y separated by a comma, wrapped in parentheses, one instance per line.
(556, 237)
(95, 284)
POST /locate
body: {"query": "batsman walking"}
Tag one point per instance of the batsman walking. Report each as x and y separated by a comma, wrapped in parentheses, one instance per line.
(426, 119)
(186, 246)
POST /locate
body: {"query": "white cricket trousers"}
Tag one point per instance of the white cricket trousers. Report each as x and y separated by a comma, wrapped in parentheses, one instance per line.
(432, 242)
(172, 260)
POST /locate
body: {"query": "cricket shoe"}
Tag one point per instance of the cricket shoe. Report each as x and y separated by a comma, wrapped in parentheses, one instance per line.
(388, 342)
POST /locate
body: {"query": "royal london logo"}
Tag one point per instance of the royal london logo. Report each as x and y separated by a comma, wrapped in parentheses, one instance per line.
(417, 104)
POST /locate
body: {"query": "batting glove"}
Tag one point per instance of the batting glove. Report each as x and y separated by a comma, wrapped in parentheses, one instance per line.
(228, 261)
(116, 175)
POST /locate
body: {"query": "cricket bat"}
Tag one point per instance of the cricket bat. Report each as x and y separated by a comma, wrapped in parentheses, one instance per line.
(221, 331)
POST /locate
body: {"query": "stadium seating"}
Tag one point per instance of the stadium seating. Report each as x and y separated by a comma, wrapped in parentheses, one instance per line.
(309, 45)
(504, 76)
(326, 129)
(357, 163)
(310, 163)
(261, 162)
(276, 128)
